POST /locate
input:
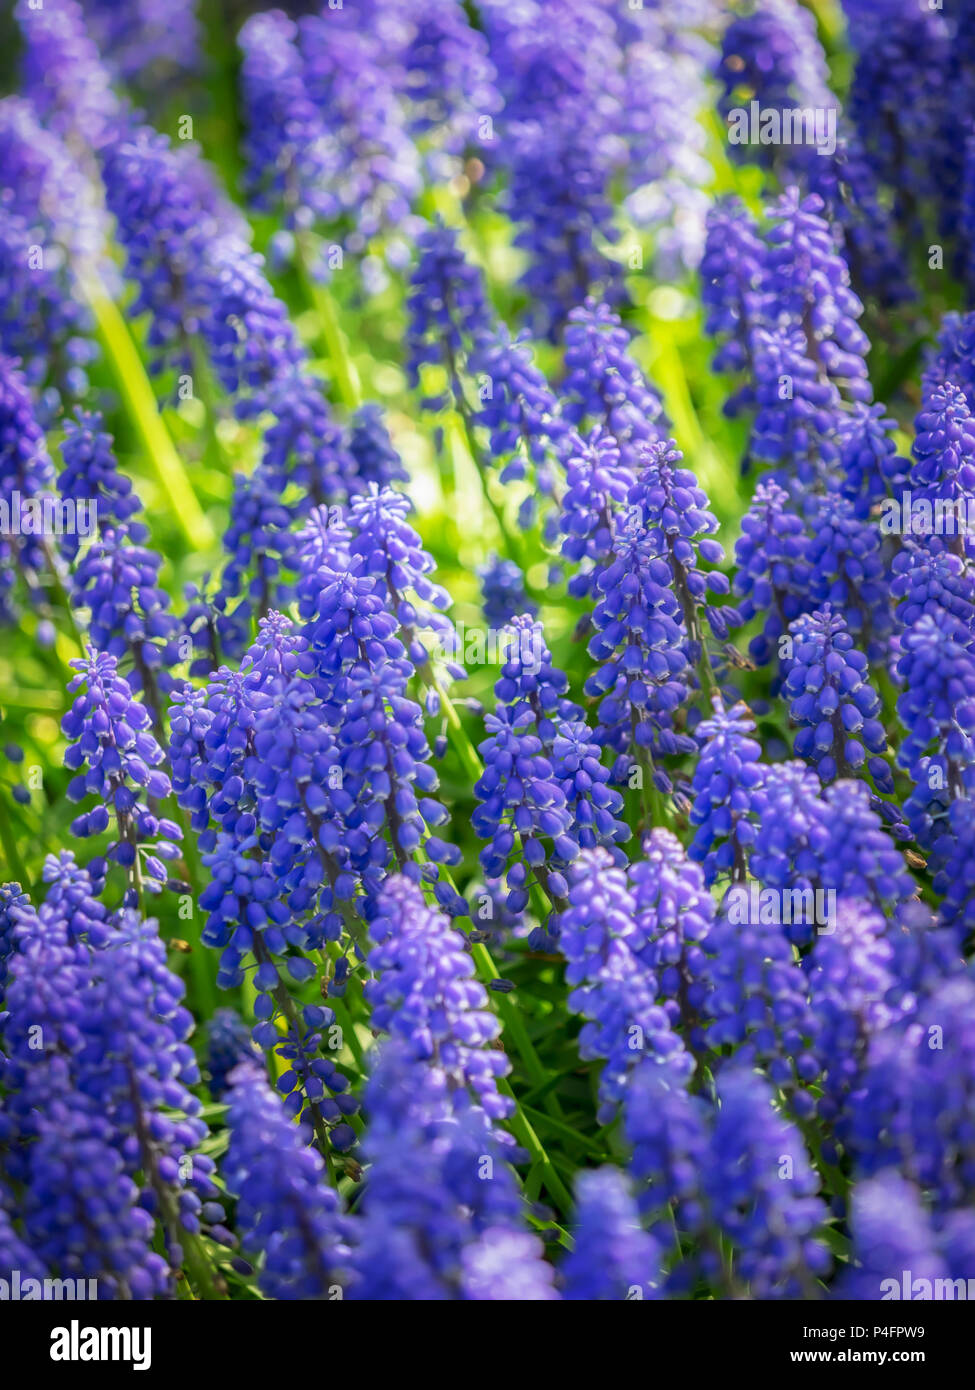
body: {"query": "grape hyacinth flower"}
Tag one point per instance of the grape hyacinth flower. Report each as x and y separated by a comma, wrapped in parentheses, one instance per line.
(528, 435)
(614, 988)
(531, 684)
(130, 614)
(763, 1191)
(523, 803)
(50, 228)
(641, 675)
(604, 386)
(144, 47)
(851, 976)
(833, 702)
(447, 308)
(598, 483)
(561, 131)
(369, 444)
(674, 912)
(826, 839)
(386, 546)
(727, 788)
(913, 1107)
(73, 897)
(848, 570)
(90, 473)
(612, 1257)
(25, 476)
(943, 475)
(503, 595)
(892, 1232)
(424, 994)
(285, 1207)
(872, 467)
(291, 157)
(901, 48)
(798, 410)
(808, 283)
(937, 673)
(732, 275)
(926, 583)
(115, 757)
(107, 1098)
(440, 1195)
(772, 577)
(675, 510)
(773, 54)
(668, 1130)
(354, 88)
(64, 77)
(952, 359)
(186, 249)
(594, 805)
(756, 999)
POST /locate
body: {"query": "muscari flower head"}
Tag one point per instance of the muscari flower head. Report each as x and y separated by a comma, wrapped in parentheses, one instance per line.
(923, 582)
(833, 702)
(64, 77)
(639, 645)
(614, 988)
(892, 1232)
(603, 384)
(832, 839)
(376, 459)
(675, 913)
(675, 510)
(598, 482)
(851, 974)
(756, 998)
(291, 156)
(91, 474)
(285, 1208)
(50, 226)
(763, 1191)
(146, 47)
(106, 1100)
(913, 1108)
(612, 1256)
(25, 475)
(229, 1043)
(727, 787)
(116, 758)
(732, 273)
(442, 1218)
(503, 591)
(937, 673)
(772, 570)
(944, 461)
(527, 431)
(773, 54)
(352, 86)
(848, 569)
(447, 305)
(424, 994)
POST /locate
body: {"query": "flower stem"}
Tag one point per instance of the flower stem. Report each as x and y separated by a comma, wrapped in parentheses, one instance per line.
(344, 374)
(130, 375)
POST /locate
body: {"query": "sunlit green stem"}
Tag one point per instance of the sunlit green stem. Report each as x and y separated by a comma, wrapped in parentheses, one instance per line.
(344, 374)
(133, 383)
(10, 850)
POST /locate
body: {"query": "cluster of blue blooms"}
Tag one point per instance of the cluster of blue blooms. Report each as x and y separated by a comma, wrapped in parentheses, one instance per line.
(721, 851)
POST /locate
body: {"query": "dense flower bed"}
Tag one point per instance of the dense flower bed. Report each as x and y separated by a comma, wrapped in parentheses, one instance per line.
(487, 579)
